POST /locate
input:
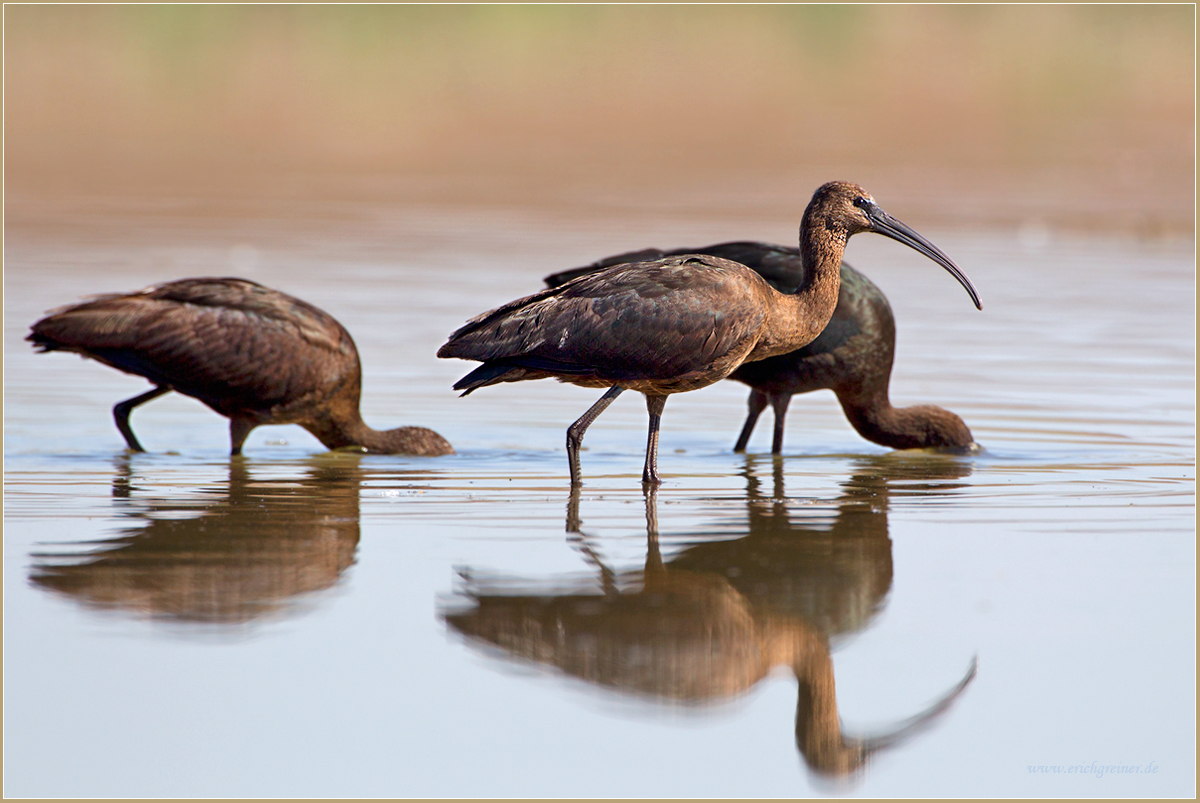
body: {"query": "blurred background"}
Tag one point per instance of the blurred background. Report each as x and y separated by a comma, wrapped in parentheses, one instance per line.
(1076, 116)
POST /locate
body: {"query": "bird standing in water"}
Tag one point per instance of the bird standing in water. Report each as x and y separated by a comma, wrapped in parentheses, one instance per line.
(252, 354)
(675, 324)
(853, 355)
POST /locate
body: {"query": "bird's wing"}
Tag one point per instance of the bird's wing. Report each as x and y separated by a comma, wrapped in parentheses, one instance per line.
(651, 320)
(778, 264)
(216, 340)
(644, 255)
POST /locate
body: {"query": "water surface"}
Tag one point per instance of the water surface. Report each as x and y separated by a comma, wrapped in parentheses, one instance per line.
(303, 623)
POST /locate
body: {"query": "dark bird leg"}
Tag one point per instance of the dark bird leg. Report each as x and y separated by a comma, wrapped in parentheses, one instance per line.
(576, 430)
(779, 402)
(757, 403)
(121, 411)
(654, 562)
(654, 405)
(608, 578)
(573, 520)
(239, 429)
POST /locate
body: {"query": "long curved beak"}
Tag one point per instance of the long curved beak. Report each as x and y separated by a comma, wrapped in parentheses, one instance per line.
(835, 755)
(921, 721)
(885, 224)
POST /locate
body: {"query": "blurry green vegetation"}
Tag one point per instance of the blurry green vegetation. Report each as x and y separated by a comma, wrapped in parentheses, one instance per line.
(543, 87)
(1106, 40)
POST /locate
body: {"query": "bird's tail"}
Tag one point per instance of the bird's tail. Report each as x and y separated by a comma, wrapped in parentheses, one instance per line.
(43, 343)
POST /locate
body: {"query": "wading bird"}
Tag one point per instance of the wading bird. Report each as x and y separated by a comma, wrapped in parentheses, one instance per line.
(253, 354)
(853, 355)
(714, 621)
(675, 324)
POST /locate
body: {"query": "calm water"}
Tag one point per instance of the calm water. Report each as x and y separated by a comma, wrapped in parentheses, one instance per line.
(301, 623)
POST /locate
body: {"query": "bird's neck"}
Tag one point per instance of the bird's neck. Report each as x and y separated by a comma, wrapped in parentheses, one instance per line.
(920, 427)
(346, 428)
(818, 726)
(338, 429)
(822, 243)
(799, 317)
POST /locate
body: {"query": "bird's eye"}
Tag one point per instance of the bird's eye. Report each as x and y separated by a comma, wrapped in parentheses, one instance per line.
(861, 202)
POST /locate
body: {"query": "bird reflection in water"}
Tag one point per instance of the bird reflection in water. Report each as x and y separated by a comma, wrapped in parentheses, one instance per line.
(712, 622)
(237, 553)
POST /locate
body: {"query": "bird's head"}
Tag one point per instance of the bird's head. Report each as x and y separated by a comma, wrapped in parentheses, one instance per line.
(844, 208)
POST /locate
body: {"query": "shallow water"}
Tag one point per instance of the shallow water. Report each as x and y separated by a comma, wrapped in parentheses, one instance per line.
(305, 623)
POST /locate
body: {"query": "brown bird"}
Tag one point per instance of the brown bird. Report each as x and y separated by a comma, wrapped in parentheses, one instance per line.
(853, 355)
(251, 547)
(674, 324)
(694, 631)
(253, 354)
